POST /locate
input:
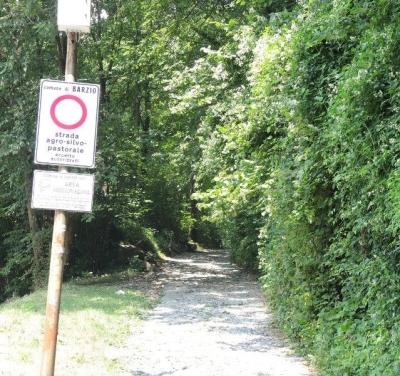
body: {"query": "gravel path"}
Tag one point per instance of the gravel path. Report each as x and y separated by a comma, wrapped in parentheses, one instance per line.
(213, 321)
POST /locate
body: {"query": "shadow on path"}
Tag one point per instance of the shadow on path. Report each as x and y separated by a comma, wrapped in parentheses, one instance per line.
(212, 321)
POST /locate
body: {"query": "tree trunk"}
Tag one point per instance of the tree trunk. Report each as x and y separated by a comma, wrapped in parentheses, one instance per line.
(194, 211)
(69, 235)
(34, 232)
(61, 45)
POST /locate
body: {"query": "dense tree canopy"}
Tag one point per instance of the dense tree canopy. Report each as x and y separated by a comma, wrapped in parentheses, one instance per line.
(267, 126)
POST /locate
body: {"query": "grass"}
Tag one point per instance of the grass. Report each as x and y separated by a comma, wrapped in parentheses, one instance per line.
(94, 324)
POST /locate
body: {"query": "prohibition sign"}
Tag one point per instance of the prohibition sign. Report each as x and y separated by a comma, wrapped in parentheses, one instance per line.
(61, 124)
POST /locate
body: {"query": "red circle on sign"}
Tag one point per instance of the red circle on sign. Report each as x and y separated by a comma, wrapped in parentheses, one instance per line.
(61, 124)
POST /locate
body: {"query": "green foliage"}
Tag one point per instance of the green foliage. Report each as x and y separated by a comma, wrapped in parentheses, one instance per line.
(27, 48)
(94, 242)
(136, 264)
(145, 153)
(16, 266)
(271, 123)
(364, 325)
(299, 165)
(329, 244)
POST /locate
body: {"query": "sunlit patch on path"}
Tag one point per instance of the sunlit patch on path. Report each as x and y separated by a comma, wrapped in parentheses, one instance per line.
(212, 320)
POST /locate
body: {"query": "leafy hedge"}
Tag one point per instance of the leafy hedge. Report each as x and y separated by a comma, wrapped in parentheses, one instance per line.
(311, 178)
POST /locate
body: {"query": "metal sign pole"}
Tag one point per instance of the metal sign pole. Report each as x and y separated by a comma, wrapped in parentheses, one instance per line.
(57, 250)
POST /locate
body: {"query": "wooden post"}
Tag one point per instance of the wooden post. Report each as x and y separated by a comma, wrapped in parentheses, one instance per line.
(57, 250)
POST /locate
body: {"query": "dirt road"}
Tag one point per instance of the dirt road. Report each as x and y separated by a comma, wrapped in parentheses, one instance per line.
(212, 321)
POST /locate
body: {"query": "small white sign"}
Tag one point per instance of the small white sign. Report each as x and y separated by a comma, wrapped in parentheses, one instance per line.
(67, 123)
(73, 15)
(62, 191)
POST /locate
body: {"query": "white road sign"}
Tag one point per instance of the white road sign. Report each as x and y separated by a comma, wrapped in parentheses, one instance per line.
(74, 15)
(67, 123)
(62, 191)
